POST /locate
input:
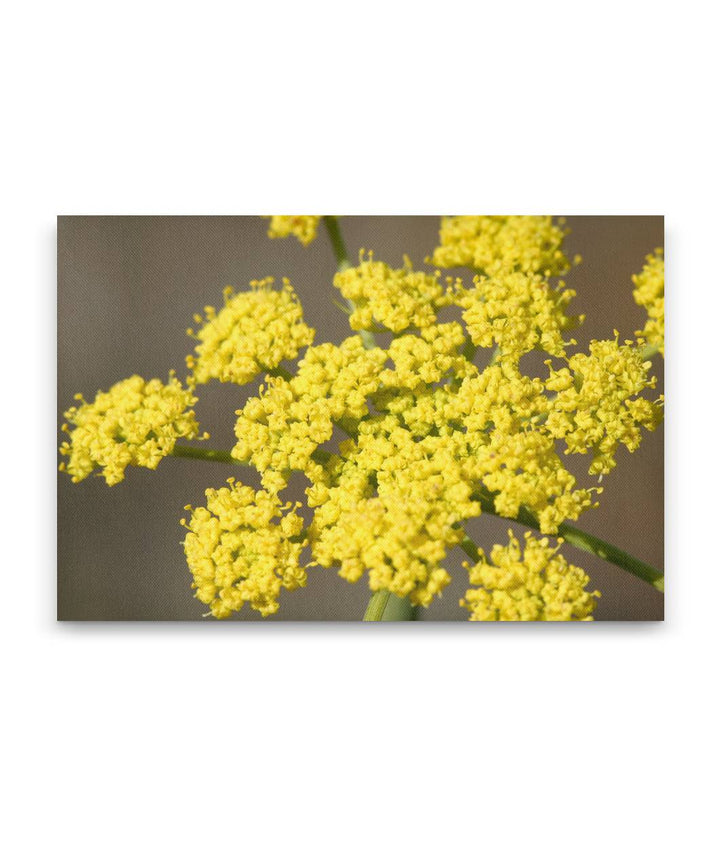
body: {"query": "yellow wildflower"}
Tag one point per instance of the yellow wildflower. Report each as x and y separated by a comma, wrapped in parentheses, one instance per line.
(524, 469)
(279, 430)
(304, 228)
(135, 423)
(535, 585)
(494, 244)
(254, 332)
(396, 299)
(598, 404)
(392, 507)
(500, 396)
(346, 375)
(650, 293)
(427, 358)
(517, 312)
(244, 547)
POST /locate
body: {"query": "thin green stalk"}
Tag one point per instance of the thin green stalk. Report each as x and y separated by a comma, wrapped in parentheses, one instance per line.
(611, 553)
(469, 547)
(584, 541)
(200, 454)
(338, 244)
(279, 371)
(384, 606)
(322, 456)
(343, 263)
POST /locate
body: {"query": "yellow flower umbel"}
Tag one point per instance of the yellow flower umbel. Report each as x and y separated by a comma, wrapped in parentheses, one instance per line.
(392, 506)
(494, 244)
(427, 358)
(135, 423)
(280, 429)
(394, 298)
(304, 228)
(535, 585)
(517, 312)
(598, 404)
(650, 293)
(254, 332)
(244, 547)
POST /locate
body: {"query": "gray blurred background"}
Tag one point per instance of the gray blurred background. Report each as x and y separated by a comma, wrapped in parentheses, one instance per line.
(127, 290)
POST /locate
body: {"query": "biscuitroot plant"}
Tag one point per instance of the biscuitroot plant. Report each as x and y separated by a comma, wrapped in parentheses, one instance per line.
(439, 427)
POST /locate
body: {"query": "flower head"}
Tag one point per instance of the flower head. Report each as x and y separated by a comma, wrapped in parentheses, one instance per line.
(650, 293)
(304, 228)
(392, 505)
(280, 429)
(534, 584)
(517, 312)
(395, 298)
(494, 244)
(598, 405)
(244, 547)
(135, 423)
(427, 358)
(254, 332)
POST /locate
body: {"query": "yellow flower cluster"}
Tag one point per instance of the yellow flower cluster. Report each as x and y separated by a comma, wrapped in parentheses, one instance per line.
(430, 436)
(280, 429)
(501, 396)
(395, 299)
(135, 423)
(304, 228)
(517, 312)
(536, 584)
(494, 244)
(254, 332)
(598, 404)
(524, 469)
(650, 293)
(427, 358)
(244, 547)
(392, 506)
(496, 416)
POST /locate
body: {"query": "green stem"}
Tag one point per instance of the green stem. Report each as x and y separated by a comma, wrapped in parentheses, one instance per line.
(279, 371)
(338, 244)
(201, 454)
(584, 541)
(322, 456)
(343, 263)
(611, 553)
(469, 547)
(469, 350)
(384, 606)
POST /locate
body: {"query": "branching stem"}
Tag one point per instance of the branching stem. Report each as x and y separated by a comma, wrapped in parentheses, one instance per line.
(581, 539)
(343, 263)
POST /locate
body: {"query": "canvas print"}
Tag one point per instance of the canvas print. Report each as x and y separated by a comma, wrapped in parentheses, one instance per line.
(346, 418)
